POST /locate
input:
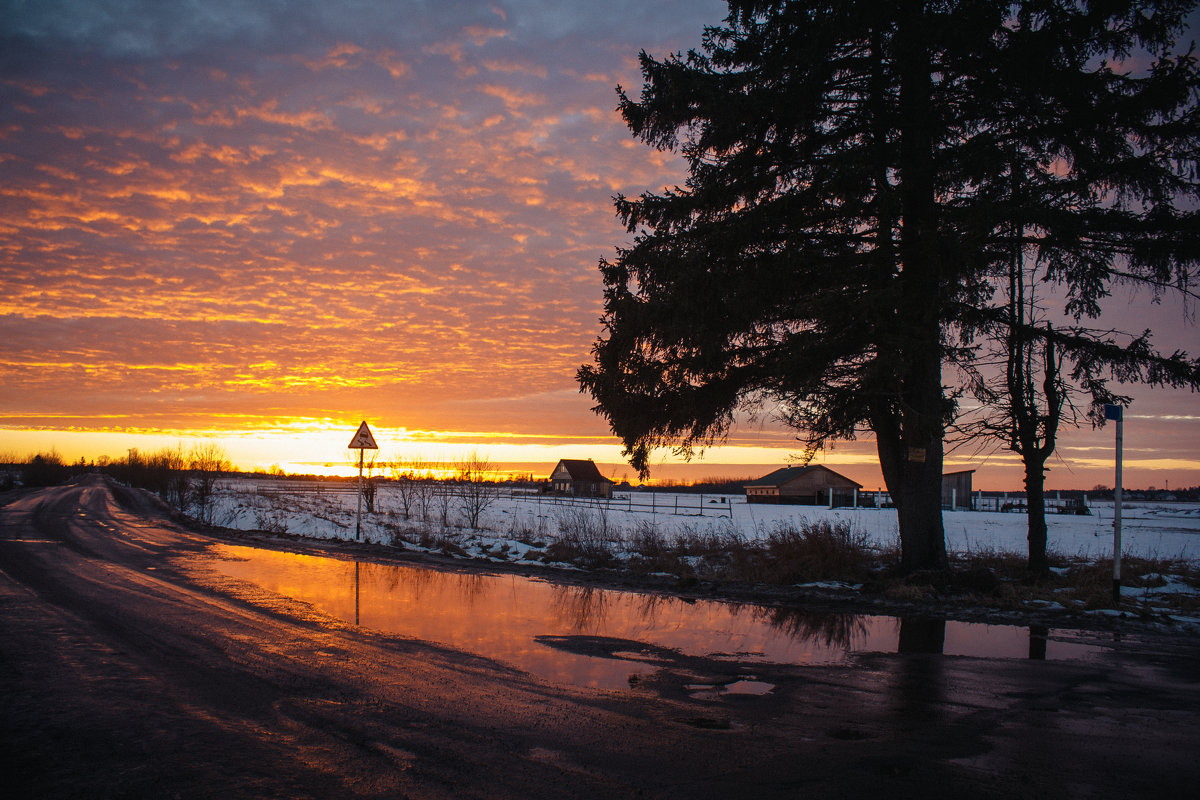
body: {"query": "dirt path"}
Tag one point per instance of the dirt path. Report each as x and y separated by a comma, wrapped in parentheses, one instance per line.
(129, 670)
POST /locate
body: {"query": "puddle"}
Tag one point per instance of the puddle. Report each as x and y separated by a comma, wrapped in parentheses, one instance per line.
(598, 637)
(748, 687)
(714, 691)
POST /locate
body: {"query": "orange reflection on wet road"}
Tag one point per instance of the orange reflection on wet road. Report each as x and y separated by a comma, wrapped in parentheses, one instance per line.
(587, 636)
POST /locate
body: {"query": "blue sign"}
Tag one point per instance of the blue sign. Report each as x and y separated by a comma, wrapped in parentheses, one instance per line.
(1113, 412)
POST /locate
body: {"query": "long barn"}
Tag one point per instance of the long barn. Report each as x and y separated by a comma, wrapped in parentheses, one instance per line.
(808, 486)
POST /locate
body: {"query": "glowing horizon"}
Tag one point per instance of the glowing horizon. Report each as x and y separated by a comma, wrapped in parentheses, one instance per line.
(319, 448)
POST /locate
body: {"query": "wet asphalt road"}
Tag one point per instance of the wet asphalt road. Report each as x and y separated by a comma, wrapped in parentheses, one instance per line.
(128, 668)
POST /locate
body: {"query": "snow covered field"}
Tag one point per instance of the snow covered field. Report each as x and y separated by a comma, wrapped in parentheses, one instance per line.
(1150, 529)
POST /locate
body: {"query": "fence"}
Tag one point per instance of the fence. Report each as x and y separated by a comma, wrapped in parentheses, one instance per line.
(277, 488)
(1055, 503)
(683, 505)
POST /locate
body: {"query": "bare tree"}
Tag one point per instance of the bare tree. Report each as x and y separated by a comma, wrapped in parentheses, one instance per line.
(404, 474)
(207, 461)
(1023, 404)
(175, 460)
(370, 488)
(415, 485)
(476, 479)
(443, 499)
(425, 487)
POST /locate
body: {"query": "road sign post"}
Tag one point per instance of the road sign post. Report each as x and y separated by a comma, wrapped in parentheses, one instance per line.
(1116, 414)
(362, 441)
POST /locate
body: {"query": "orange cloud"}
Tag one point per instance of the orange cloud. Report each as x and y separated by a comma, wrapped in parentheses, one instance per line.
(345, 226)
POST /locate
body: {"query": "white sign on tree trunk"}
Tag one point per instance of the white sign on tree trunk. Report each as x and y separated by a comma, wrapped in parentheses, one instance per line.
(363, 440)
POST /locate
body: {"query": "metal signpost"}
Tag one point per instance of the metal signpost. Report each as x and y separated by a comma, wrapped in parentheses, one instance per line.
(1116, 414)
(363, 440)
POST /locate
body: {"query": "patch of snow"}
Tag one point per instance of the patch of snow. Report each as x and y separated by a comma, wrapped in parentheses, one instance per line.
(825, 585)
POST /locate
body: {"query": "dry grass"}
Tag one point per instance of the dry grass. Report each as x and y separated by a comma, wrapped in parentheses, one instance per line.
(1088, 585)
(1075, 583)
(817, 551)
(584, 538)
(789, 554)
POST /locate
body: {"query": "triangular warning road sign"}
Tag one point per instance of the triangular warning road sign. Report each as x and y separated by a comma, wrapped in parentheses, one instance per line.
(363, 440)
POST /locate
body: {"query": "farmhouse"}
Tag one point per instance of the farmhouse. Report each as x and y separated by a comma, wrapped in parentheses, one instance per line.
(808, 486)
(579, 478)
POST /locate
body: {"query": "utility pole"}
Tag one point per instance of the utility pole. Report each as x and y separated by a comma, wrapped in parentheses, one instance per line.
(358, 511)
(1116, 413)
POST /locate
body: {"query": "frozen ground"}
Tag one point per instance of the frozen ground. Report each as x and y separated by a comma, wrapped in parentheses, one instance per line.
(1153, 530)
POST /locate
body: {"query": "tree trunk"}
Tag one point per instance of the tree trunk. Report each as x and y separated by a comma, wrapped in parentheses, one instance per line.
(910, 446)
(922, 635)
(1035, 502)
(913, 475)
(916, 491)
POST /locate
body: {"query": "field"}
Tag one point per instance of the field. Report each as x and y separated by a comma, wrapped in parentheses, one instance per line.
(511, 521)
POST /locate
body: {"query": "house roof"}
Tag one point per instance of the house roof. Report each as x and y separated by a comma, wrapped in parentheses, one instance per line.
(782, 476)
(581, 469)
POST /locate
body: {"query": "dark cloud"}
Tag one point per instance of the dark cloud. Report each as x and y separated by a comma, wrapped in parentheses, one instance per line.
(154, 30)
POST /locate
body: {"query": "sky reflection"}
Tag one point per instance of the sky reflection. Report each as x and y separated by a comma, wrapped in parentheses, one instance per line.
(586, 636)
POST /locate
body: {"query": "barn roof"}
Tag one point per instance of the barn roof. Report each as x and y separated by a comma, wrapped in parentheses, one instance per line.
(581, 469)
(782, 476)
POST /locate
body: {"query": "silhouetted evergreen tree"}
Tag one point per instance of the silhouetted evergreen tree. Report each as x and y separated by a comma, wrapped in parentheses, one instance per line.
(841, 226)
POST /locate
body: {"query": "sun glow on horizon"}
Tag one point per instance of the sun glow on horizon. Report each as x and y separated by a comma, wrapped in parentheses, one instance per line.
(318, 446)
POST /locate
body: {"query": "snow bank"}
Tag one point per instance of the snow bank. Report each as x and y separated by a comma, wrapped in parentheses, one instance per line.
(1149, 529)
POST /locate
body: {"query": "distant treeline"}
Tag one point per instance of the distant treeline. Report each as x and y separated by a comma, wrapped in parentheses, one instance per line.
(1152, 493)
(40, 469)
(703, 486)
(175, 475)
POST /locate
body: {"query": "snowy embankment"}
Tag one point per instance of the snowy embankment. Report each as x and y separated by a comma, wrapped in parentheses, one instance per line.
(510, 523)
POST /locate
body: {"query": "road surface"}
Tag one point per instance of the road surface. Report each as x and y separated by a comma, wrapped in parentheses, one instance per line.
(130, 669)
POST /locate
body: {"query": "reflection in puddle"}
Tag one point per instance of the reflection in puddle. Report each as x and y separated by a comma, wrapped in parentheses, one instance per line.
(714, 691)
(598, 637)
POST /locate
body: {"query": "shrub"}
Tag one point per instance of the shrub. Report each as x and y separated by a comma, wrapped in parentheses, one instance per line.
(583, 538)
(816, 551)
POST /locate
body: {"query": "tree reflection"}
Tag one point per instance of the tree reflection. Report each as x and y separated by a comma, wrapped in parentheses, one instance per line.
(1038, 634)
(648, 606)
(918, 689)
(921, 635)
(473, 586)
(830, 629)
(580, 608)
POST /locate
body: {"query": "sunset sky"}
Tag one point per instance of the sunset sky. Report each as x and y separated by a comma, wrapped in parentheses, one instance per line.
(265, 221)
